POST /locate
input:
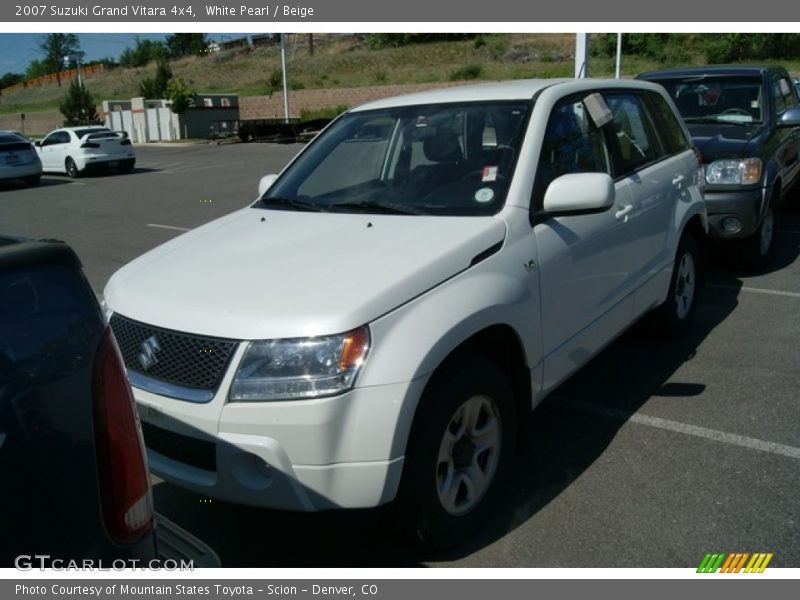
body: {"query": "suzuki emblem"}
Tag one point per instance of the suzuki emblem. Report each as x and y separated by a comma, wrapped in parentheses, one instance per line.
(147, 357)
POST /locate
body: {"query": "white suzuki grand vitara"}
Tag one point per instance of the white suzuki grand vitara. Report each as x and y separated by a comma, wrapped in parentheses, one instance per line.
(378, 326)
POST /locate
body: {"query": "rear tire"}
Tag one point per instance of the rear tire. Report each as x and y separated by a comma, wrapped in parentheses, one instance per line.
(33, 180)
(71, 168)
(674, 317)
(459, 454)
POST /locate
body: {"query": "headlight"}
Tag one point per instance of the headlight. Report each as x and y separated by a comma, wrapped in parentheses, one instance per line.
(301, 368)
(734, 172)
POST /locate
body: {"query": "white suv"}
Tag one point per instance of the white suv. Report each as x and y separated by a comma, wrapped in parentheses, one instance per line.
(380, 323)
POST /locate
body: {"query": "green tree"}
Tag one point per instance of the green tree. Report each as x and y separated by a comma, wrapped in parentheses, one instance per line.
(142, 53)
(186, 44)
(57, 47)
(180, 95)
(36, 68)
(10, 79)
(79, 106)
(156, 87)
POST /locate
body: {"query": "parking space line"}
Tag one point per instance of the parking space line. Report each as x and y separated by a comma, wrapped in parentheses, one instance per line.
(170, 227)
(753, 290)
(715, 435)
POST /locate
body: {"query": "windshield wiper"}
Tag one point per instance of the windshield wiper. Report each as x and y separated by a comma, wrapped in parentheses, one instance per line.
(706, 119)
(378, 206)
(292, 203)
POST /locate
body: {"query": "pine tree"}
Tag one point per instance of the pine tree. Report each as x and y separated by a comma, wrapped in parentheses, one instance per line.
(78, 106)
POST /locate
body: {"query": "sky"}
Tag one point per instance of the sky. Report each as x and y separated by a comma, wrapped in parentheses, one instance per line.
(17, 50)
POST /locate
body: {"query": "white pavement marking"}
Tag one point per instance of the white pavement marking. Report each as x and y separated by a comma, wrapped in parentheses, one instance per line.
(171, 227)
(702, 432)
(755, 290)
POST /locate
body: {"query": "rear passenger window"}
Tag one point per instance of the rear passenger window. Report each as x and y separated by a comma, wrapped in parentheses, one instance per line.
(668, 126)
(636, 144)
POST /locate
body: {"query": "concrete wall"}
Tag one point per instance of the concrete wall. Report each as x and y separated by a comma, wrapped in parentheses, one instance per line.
(36, 123)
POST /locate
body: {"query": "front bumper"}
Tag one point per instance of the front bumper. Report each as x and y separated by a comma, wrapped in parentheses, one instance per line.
(340, 452)
(746, 205)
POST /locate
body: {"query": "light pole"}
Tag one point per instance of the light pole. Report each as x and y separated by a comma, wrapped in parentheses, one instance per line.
(283, 73)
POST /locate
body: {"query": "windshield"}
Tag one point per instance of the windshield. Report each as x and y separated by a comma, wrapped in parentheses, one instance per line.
(716, 99)
(432, 159)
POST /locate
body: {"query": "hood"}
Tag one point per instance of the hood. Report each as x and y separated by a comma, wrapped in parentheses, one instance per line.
(726, 141)
(258, 274)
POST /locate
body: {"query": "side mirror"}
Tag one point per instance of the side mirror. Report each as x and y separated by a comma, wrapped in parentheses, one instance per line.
(579, 193)
(791, 117)
(38, 143)
(266, 183)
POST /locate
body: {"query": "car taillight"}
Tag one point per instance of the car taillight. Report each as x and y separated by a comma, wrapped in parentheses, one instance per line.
(121, 461)
(125, 143)
(89, 145)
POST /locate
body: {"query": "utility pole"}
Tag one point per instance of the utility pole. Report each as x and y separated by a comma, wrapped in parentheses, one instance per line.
(581, 55)
(285, 84)
(619, 53)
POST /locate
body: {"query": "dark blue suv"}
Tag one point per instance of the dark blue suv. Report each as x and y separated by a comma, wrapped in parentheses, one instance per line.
(745, 121)
(75, 484)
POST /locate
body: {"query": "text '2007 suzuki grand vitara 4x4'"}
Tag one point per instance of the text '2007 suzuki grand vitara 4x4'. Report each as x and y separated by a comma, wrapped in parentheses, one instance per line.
(379, 324)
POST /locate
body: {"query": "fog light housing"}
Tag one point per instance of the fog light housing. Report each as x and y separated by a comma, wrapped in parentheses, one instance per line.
(731, 225)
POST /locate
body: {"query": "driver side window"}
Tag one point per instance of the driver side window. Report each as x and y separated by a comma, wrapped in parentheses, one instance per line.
(572, 144)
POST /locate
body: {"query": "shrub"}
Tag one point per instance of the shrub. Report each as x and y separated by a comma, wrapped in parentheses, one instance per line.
(466, 72)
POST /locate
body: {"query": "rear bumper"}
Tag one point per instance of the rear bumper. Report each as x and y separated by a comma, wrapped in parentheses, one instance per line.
(20, 171)
(178, 546)
(104, 161)
(746, 205)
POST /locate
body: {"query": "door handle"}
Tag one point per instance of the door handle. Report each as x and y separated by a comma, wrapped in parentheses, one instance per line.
(677, 180)
(624, 212)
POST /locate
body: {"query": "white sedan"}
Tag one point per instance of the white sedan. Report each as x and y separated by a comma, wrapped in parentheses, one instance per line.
(76, 150)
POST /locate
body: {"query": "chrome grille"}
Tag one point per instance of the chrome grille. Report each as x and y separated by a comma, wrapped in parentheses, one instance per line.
(174, 357)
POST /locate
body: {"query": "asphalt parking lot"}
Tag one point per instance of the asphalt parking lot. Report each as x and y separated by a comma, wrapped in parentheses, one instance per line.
(651, 456)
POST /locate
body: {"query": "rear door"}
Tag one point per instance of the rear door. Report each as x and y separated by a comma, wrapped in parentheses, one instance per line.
(652, 155)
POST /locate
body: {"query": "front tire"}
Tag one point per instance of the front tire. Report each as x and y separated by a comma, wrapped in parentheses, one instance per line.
(757, 250)
(459, 455)
(71, 168)
(674, 317)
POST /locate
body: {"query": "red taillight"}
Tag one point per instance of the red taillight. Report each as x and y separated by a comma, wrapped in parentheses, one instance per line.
(89, 145)
(698, 155)
(121, 460)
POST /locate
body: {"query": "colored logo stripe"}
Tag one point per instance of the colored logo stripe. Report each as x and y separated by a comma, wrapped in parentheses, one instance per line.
(734, 562)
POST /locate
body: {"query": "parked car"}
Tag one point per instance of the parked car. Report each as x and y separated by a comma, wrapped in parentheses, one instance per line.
(77, 150)
(746, 122)
(380, 324)
(18, 159)
(75, 478)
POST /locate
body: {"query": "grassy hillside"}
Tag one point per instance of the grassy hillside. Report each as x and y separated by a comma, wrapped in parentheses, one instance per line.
(337, 62)
(344, 61)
